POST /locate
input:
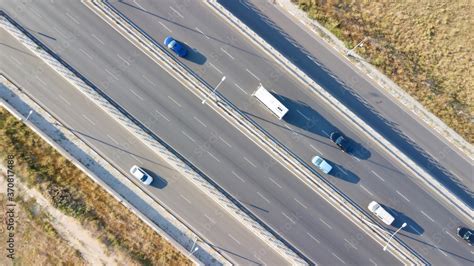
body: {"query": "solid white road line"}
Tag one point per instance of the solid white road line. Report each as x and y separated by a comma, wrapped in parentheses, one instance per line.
(300, 203)
(226, 143)
(314, 238)
(377, 175)
(110, 137)
(325, 223)
(88, 119)
(274, 182)
(97, 38)
(314, 148)
(136, 3)
(202, 32)
(138, 96)
(174, 101)
(136, 158)
(288, 217)
(240, 88)
(213, 66)
(414, 229)
(455, 238)
(366, 190)
(212, 155)
(348, 242)
(303, 115)
(64, 100)
(373, 262)
(72, 18)
(148, 80)
(338, 258)
(162, 115)
(188, 201)
(255, 76)
(176, 11)
(263, 197)
(164, 26)
(195, 118)
(209, 218)
(233, 238)
(85, 53)
(427, 216)
(189, 137)
(110, 73)
(403, 196)
(236, 175)
(227, 53)
(250, 162)
(123, 59)
(341, 169)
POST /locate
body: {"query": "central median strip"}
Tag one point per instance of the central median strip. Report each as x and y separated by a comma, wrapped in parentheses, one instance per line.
(229, 112)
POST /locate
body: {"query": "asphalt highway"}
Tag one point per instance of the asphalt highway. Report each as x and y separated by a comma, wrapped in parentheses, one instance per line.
(272, 193)
(286, 204)
(365, 175)
(122, 149)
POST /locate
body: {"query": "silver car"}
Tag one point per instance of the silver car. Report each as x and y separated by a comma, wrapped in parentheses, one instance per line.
(141, 175)
(321, 164)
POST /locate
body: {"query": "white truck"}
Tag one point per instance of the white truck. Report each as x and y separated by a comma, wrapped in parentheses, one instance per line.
(270, 102)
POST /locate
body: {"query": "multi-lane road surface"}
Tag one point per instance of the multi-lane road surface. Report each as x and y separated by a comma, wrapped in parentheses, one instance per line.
(121, 148)
(272, 193)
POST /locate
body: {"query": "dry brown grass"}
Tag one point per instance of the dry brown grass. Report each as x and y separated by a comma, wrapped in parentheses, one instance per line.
(425, 46)
(75, 194)
(35, 237)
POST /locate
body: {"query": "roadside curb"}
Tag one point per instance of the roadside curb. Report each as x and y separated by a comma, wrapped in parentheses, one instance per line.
(404, 160)
(382, 80)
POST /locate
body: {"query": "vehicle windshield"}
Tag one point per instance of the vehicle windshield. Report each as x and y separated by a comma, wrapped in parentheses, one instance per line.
(467, 235)
(143, 179)
(319, 161)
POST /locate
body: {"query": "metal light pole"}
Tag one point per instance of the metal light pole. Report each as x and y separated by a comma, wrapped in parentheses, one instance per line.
(214, 90)
(28, 116)
(359, 44)
(195, 249)
(388, 242)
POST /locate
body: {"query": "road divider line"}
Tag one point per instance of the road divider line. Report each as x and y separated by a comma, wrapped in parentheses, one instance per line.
(303, 115)
(337, 257)
(200, 122)
(97, 39)
(217, 69)
(366, 190)
(85, 53)
(275, 182)
(377, 175)
(314, 238)
(263, 197)
(403, 196)
(186, 199)
(427, 216)
(300, 203)
(162, 115)
(164, 26)
(241, 88)
(324, 222)
(233, 238)
(288, 217)
(238, 176)
(176, 11)
(136, 94)
(175, 102)
(64, 100)
(88, 119)
(250, 162)
(187, 136)
(227, 53)
(253, 75)
(200, 31)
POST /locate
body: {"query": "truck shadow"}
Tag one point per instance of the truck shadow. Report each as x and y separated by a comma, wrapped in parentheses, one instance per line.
(400, 218)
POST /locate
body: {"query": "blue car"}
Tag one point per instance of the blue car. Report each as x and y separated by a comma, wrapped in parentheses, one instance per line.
(175, 46)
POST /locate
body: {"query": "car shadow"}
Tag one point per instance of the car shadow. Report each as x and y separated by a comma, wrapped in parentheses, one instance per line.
(303, 116)
(342, 173)
(400, 218)
(158, 181)
(194, 55)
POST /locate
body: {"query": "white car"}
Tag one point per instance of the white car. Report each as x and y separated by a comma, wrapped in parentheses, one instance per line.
(381, 213)
(321, 164)
(141, 175)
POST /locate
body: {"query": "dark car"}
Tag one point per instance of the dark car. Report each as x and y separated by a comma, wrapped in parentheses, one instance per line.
(175, 46)
(466, 234)
(340, 140)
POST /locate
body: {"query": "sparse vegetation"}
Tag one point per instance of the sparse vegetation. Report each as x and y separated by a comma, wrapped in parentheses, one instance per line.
(425, 46)
(34, 226)
(39, 165)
